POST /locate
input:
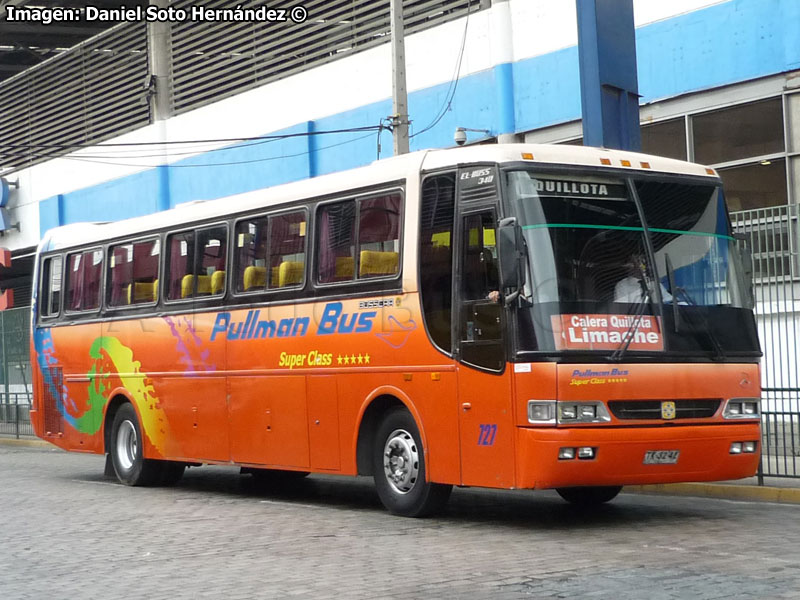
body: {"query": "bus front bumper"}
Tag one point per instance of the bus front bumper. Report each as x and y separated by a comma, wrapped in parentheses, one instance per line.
(621, 455)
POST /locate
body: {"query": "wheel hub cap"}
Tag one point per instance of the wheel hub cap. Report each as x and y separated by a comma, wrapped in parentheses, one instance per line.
(127, 445)
(401, 461)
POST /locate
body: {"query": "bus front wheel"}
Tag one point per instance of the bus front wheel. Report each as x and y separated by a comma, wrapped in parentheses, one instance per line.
(127, 451)
(399, 468)
(589, 496)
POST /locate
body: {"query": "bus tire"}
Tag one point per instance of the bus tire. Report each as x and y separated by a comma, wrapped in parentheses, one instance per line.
(589, 496)
(127, 451)
(399, 468)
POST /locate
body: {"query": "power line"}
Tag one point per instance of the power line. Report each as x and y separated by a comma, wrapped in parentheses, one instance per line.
(223, 164)
(451, 90)
(256, 141)
(358, 139)
(281, 136)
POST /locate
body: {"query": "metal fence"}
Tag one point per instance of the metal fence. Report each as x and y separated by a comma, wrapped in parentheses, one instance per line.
(15, 419)
(15, 372)
(773, 237)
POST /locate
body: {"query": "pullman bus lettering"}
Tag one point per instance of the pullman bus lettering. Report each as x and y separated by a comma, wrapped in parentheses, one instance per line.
(335, 321)
(253, 328)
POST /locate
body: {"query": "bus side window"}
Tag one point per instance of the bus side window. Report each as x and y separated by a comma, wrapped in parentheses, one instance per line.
(133, 273)
(287, 250)
(379, 236)
(359, 247)
(479, 270)
(51, 287)
(336, 242)
(180, 262)
(196, 263)
(481, 316)
(211, 262)
(250, 252)
(84, 272)
(436, 256)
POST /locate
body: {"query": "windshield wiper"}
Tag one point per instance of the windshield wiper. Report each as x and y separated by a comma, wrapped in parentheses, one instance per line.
(676, 292)
(676, 315)
(619, 353)
(719, 353)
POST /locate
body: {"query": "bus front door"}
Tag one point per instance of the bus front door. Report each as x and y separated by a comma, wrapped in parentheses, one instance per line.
(486, 426)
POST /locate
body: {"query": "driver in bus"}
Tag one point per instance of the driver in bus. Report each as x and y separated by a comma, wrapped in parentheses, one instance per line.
(633, 286)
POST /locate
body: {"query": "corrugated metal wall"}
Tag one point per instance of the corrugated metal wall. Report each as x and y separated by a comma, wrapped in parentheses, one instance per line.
(100, 89)
(94, 91)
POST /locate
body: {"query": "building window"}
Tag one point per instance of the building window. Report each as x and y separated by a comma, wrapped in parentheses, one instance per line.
(667, 138)
(755, 185)
(739, 132)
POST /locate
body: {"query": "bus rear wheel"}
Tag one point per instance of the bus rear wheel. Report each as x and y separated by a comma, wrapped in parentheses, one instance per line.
(127, 451)
(589, 496)
(399, 468)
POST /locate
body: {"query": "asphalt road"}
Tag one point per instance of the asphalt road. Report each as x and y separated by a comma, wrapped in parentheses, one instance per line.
(67, 532)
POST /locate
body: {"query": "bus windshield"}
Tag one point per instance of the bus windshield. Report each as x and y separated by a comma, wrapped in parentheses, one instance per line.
(643, 265)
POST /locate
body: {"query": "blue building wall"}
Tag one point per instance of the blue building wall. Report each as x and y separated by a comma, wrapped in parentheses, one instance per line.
(722, 44)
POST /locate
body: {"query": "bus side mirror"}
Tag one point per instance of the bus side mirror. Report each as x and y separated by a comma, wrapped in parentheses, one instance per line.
(745, 256)
(510, 248)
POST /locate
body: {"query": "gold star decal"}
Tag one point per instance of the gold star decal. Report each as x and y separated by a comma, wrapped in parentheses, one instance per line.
(360, 359)
(346, 359)
(366, 359)
(353, 359)
(339, 359)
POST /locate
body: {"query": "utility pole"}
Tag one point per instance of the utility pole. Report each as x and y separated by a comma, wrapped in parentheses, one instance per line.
(159, 45)
(399, 91)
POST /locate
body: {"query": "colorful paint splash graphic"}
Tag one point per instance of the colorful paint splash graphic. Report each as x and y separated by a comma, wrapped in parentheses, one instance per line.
(189, 345)
(113, 367)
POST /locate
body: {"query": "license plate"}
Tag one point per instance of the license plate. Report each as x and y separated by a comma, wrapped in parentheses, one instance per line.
(661, 457)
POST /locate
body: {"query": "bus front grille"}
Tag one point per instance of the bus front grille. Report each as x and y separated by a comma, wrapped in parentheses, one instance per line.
(651, 409)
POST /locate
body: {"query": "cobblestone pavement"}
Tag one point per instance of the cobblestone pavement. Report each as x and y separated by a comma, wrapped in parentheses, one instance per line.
(67, 532)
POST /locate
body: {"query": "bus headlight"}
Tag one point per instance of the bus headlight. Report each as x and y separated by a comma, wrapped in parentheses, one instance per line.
(583, 412)
(550, 412)
(744, 447)
(542, 412)
(742, 408)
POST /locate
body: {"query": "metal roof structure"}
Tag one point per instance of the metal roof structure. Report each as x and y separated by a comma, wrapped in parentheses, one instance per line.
(24, 44)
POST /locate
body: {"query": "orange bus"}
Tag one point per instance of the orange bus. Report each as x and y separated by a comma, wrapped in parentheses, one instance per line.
(508, 316)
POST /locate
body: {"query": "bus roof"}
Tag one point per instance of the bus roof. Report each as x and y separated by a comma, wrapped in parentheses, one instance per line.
(381, 171)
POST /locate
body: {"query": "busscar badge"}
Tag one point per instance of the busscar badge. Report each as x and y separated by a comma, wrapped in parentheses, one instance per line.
(668, 409)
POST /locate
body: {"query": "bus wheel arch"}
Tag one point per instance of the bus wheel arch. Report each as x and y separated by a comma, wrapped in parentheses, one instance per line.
(124, 439)
(371, 417)
(400, 468)
(111, 411)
